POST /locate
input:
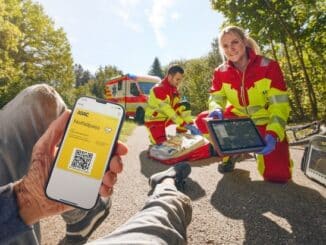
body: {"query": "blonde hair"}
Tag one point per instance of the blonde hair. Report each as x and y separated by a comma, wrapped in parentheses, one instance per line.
(251, 43)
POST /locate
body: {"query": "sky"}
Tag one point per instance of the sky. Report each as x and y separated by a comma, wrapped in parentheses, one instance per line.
(129, 34)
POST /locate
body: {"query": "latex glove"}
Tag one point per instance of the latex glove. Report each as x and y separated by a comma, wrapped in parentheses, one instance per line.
(270, 144)
(193, 129)
(217, 113)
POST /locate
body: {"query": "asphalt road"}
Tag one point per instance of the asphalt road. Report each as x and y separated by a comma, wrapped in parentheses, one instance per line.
(235, 208)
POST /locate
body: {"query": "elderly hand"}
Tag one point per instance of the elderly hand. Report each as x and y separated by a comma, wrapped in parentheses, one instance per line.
(30, 191)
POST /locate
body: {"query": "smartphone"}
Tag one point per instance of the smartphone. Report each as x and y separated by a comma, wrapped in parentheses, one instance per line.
(85, 152)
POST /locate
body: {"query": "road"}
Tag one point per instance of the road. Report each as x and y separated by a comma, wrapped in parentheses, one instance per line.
(235, 208)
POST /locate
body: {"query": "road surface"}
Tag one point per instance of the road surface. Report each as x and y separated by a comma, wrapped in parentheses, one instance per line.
(235, 208)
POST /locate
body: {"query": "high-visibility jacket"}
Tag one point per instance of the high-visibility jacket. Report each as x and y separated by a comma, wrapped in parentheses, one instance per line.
(259, 92)
(164, 105)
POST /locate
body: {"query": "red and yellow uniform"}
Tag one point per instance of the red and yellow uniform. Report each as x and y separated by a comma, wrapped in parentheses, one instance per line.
(260, 93)
(164, 109)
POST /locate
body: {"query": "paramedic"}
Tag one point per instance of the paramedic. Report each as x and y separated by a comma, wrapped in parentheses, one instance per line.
(164, 108)
(250, 85)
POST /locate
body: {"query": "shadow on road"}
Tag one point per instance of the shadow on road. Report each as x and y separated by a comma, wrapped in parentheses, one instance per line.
(150, 167)
(272, 213)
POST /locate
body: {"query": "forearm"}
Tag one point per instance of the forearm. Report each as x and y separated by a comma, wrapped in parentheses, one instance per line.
(10, 221)
(26, 204)
(216, 100)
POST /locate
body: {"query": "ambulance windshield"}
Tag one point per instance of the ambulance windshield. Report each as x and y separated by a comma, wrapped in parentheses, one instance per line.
(146, 86)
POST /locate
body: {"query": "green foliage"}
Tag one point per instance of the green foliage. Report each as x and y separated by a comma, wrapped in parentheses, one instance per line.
(82, 76)
(196, 83)
(156, 69)
(31, 50)
(101, 76)
(127, 129)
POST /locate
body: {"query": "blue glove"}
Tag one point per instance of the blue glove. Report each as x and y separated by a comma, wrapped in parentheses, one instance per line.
(217, 113)
(270, 144)
(193, 129)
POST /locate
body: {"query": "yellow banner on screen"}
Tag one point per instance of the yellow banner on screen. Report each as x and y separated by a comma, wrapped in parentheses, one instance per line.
(87, 143)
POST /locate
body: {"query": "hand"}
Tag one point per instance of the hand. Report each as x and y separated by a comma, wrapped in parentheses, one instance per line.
(193, 129)
(32, 202)
(217, 113)
(270, 144)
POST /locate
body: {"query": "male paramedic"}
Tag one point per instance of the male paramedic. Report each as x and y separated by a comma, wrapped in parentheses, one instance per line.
(165, 108)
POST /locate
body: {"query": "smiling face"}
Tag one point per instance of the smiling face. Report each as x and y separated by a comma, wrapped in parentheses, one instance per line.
(234, 48)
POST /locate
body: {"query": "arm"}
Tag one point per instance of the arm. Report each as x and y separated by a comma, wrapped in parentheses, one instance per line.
(162, 102)
(11, 223)
(31, 203)
(217, 98)
(278, 102)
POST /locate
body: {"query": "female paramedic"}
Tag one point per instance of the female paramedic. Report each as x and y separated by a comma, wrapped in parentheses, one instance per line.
(248, 84)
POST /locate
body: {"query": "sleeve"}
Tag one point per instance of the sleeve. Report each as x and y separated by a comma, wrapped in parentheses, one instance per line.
(183, 110)
(278, 101)
(162, 102)
(217, 97)
(11, 223)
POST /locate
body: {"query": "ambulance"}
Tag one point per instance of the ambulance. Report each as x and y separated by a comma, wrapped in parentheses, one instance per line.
(131, 91)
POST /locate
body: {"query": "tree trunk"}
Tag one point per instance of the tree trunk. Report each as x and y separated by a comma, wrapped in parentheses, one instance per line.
(298, 51)
(291, 84)
(273, 48)
(311, 92)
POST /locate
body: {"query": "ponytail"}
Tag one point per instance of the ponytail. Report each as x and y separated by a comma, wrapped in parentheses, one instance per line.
(251, 43)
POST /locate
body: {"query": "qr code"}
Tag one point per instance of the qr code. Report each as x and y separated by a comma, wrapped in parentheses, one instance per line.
(82, 161)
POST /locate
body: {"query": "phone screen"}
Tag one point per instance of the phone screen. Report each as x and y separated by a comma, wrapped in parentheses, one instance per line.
(85, 152)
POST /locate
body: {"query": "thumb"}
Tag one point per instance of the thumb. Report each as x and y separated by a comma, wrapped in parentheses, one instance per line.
(54, 133)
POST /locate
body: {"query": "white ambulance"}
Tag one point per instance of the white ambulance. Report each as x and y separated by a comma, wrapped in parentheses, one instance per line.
(131, 91)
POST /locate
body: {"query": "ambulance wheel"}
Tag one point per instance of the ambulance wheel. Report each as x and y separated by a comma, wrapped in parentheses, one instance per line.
(140, 114)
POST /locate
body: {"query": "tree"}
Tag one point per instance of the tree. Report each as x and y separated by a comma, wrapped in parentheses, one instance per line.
(31, 50)
(156, 69)
(214, 57)
(196, 83)
(82, 76)
(101, 76)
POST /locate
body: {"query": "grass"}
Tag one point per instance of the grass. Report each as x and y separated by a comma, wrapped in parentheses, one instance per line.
(127, 129)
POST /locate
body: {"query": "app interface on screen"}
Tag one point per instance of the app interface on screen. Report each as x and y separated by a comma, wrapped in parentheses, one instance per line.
(237, 135)
(87, 143)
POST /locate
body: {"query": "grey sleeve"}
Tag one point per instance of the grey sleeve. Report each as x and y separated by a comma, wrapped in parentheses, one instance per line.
(11, 223)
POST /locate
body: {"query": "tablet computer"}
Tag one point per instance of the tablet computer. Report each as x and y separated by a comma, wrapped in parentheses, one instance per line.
(233, 136)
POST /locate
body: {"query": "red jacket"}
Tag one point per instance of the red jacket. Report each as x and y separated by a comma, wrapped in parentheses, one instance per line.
(163, 105)
(259, 92)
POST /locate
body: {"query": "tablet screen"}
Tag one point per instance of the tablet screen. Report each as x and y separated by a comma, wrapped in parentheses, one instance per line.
(236, 135)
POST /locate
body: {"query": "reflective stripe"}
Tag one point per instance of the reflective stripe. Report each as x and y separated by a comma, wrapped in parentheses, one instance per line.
(218, 98)
(260, 120)
(250, 109)
(242, 110)
(223, 68)
(185, 114)
(162, 104)
(276, 119)
(174, 117)
(281, 98)
(154, 119)
(253, 109)
(264, 62)
(151, 106)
